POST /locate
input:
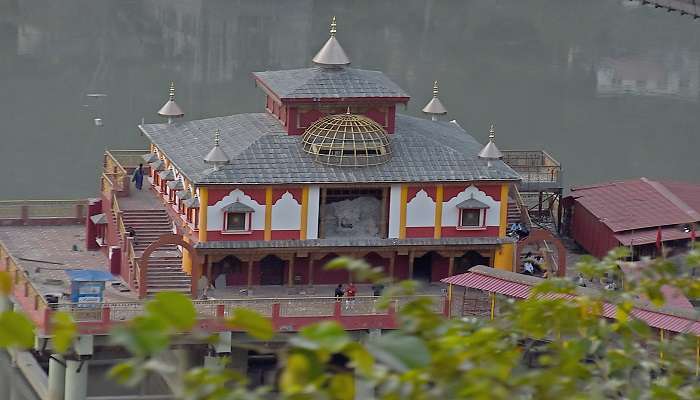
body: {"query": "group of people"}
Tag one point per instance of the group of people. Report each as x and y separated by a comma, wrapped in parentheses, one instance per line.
(518, 231)
(350, 292)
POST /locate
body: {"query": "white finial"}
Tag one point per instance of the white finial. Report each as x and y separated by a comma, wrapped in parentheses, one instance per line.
(490, 151)
(216, 156)
(170, 109)
(331, 54)
(434, 106)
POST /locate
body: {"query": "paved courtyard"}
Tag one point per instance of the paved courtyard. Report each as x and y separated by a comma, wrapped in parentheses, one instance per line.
(46, 252)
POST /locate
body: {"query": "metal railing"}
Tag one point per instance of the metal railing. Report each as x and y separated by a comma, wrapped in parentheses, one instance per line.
(535, 166)
(117, 166)
(26, 211)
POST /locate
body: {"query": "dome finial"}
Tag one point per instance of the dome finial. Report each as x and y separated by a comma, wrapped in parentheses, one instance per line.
(331, 54)
(217, 157)
(333, 29)
(490, 151)
(170, 109)
(434, 106)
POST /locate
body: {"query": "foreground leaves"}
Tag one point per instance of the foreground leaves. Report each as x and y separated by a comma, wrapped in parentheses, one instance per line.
(16, 331)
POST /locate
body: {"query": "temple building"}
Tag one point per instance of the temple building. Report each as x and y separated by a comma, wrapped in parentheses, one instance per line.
(330, 168)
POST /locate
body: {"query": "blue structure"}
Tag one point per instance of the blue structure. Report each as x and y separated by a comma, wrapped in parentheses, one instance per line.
(88, 285)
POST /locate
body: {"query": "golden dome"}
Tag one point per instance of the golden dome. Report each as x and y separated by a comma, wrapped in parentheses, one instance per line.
(347, 140)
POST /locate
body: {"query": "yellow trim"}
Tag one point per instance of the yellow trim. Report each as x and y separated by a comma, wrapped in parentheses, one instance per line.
(203, 201)
(402, 213)
(268, 213)
(304, 212)
(437, 234)
(503, 226)
(661, 344)
(493, 305)
(186, 258)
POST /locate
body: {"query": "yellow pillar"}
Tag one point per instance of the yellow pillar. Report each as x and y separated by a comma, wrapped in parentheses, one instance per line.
(505, 254)
(437, 234)
(268, 213)
(503, 224)
(186, 258)
(304, 212)
(504, 258)
(203, 200)
(402, 213)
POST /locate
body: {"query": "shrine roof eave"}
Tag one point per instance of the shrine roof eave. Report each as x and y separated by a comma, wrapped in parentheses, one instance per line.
(346, 244)
(339, 99)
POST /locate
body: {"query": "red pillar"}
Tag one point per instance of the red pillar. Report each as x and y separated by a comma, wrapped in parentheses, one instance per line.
(115, 260)
(94, 208)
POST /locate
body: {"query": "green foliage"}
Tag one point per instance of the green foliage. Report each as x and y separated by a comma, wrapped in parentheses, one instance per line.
(16, 331)
(552, 345)
(64, 331)
(5, 284)
(252, 322)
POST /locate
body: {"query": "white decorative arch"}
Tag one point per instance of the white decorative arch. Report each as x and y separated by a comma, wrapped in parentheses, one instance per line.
(215, 215)
(450, 212)
(286, 213)
(420, 211)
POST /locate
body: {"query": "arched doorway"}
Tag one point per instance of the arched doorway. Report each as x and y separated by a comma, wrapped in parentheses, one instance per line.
(165, 240)
(423, 267)
(272, 270)
(228, 271)
(468, 260)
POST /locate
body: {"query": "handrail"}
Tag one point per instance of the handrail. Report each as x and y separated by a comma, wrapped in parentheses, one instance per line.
(127, 243)
(26, 293)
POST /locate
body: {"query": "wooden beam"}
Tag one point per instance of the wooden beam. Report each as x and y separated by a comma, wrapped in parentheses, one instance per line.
(392, 262)
(250, 272)
(290, 278)
(402, 212)
(203, 200)
(411, 256)
(451, 268)
(311, 270)
(304, 212)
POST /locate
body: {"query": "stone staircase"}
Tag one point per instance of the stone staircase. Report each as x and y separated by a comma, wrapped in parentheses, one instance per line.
(165, 264)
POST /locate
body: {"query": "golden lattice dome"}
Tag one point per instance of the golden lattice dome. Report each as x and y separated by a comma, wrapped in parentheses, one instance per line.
(347, 140)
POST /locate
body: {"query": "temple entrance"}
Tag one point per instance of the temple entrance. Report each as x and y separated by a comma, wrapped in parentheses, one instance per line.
(468, 260)
(271, 270)
(423, 267)
(228, 272)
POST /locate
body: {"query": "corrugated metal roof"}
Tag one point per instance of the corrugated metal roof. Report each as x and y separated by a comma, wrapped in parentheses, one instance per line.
(646, 236)
(519, 286)
(640, 203)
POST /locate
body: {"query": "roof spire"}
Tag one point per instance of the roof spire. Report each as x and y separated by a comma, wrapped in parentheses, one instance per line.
(170, 109)
(434, 106)
(490, 151)
(216, 156)
(331, 54)
(333, 26)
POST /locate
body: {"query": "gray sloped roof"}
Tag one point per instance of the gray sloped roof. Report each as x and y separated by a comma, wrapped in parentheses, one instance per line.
(316, 82)
(262, 153)
(237, 207)
(472, 204)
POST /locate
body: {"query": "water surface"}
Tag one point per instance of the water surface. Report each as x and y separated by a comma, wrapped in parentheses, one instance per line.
(609, 88)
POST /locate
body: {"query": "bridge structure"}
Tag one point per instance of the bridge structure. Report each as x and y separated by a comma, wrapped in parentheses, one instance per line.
(684, 7)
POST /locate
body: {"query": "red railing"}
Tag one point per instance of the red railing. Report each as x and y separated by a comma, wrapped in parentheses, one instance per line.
(287, 314)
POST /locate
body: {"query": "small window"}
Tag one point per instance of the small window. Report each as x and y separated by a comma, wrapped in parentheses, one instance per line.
(236, 221)
(470, 218)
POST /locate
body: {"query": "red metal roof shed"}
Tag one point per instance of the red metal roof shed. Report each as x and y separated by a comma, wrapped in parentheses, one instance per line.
(629, 212)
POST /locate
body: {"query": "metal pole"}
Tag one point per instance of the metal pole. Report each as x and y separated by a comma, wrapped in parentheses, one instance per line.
(76, 379)
(57, 377)
(493, 306)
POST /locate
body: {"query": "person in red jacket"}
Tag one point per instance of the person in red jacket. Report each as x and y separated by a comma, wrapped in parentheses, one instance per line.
(350, 293)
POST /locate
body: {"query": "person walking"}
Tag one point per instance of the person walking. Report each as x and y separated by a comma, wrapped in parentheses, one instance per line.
(339, 292)
(138, 177)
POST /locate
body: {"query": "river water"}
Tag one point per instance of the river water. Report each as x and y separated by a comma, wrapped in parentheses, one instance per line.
(608, 87)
